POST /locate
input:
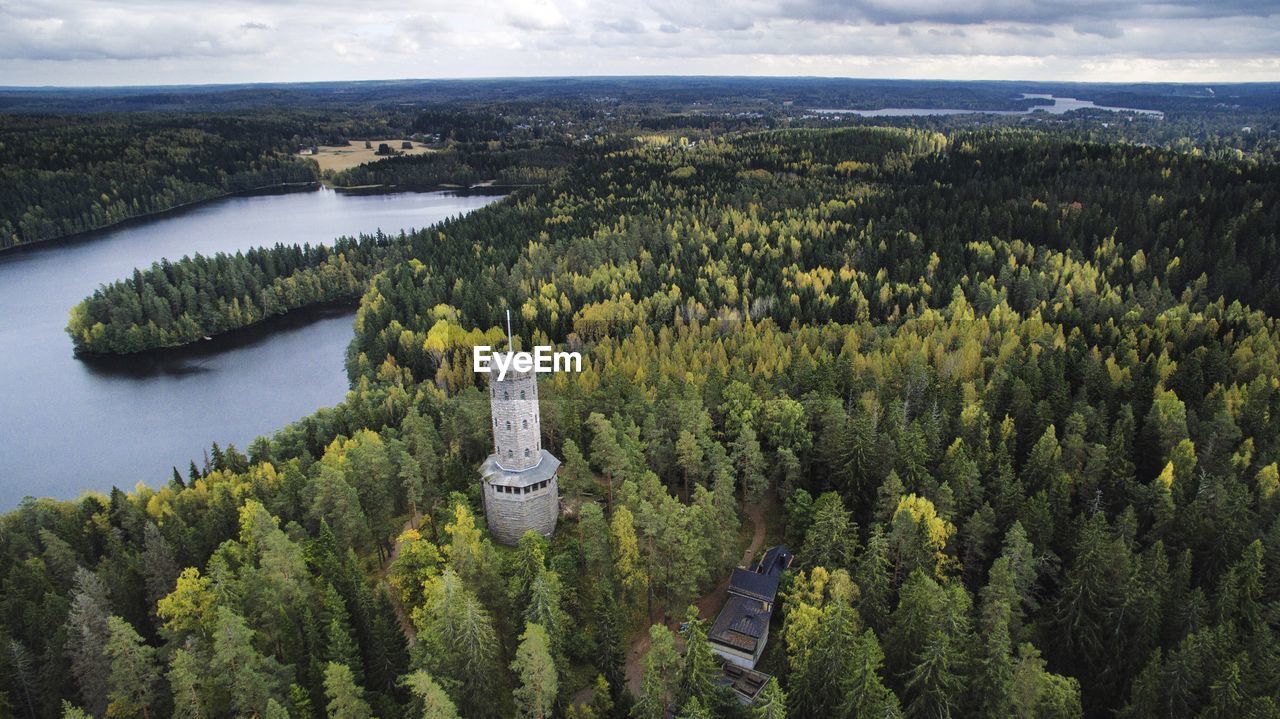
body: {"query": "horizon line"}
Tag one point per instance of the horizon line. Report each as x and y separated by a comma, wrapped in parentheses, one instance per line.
(530, 78)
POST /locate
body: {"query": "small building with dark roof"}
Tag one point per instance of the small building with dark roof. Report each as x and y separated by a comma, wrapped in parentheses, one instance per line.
(747, 583)
(776, 560)
(741, 630)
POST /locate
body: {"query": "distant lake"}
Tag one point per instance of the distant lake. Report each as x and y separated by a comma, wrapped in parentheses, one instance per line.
(72, 425)
(1060, 105)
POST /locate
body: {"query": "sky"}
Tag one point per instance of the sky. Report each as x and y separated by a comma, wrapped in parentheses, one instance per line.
(150, 42)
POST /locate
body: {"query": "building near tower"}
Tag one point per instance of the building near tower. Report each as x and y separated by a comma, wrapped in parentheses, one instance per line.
(519, 478)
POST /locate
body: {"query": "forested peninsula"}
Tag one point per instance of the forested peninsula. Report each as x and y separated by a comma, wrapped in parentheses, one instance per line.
(177, 303)
(1012, 397)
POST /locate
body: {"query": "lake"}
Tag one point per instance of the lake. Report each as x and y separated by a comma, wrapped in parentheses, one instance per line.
(72, 425)
(1059, 106)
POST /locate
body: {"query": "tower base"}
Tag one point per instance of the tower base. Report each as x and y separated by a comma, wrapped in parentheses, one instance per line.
(516, 502)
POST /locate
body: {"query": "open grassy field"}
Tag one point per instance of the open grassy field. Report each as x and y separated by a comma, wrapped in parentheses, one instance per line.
(338, 158)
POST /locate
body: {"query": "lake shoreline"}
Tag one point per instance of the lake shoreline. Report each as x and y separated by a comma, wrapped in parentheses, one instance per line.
(213, 339)
(84, 235)
(478, 190)
(265, 190)
(133, 416)
(222, 341)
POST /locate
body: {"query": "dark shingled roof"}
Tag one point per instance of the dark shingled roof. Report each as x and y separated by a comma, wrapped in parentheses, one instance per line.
(740, 623)
(776, 560)
(750, 584)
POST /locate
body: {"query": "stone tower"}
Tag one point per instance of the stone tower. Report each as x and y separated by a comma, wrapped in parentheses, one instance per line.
(519, 478)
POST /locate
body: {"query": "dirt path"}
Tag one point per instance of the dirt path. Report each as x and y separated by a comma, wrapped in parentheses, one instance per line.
(708, 604)
(402, 615)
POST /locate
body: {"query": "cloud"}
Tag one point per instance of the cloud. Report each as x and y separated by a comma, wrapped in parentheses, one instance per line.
(146, 41)
(972, 12)
(1101, 28)
(627, 26)
(536, 15)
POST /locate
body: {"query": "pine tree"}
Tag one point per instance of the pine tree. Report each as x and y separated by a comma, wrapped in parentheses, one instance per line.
(575, 475)
(70, 711)
(134, 671)
(159, 566)
(345, 698)
(699, 669)
(832, 539)
(87, 636)
(536, 672)
(749, 461)
(771, 703)
(661, 673)
(602, 698)
(249, 678)
(457, 641)
(436, 704)
(929, 640)
(340, 644)
(606, 453)
(626, 552)
(187, 685)
(611, 654)
(544, 609)
(1037, 693)
(22, 678)
(694, 709)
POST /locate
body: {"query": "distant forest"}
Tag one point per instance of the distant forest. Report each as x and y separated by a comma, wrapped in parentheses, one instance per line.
(73, 160)
(63, 175)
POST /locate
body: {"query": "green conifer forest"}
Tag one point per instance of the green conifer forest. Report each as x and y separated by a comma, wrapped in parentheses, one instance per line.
(1010, 394)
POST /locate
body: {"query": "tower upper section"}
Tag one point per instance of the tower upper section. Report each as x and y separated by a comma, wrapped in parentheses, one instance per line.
(517, 432)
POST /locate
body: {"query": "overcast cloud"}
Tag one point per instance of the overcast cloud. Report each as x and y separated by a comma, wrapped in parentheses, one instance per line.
(114, 42)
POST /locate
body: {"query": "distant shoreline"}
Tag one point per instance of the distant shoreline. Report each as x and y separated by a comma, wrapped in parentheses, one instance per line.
(84, 234)
(282, 188)
(235, 337)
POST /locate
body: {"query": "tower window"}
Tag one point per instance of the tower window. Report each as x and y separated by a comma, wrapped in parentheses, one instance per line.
(526, 451)
(521, 394)
(508, 424)
(525, 422)
(506, 394)
(509, 455)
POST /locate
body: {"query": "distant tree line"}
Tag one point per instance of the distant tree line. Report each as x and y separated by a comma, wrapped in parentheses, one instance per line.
(464, 164)
(62, 175)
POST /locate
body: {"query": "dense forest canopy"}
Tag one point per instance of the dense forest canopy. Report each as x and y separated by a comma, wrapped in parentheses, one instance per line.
(1012, 396)
(62, 175)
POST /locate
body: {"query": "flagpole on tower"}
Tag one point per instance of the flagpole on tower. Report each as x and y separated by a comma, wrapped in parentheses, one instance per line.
(510, 344)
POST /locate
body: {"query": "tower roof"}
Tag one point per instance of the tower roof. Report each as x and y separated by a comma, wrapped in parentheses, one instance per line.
(494, 473)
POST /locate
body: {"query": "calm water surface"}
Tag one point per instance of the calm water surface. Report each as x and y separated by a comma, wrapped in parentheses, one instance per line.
(73, 425)
(1060, 105)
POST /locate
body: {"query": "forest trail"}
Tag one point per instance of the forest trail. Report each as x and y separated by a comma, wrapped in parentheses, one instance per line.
(708, 604)
(409, 631)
